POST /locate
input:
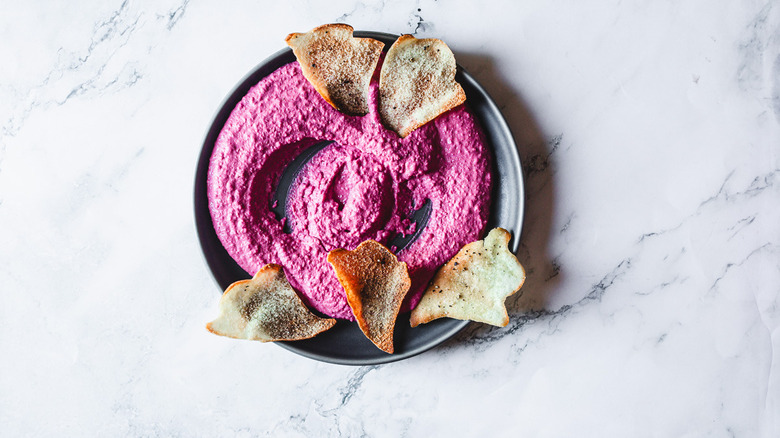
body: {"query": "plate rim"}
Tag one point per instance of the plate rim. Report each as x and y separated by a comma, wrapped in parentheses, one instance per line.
(448, 327)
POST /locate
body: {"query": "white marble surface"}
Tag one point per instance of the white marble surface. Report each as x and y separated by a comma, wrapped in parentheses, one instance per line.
(650, 134)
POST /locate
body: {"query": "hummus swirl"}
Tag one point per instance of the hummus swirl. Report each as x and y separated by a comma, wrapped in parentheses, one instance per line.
(363, 185)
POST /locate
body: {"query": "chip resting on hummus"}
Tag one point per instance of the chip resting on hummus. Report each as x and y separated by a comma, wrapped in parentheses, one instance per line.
(338, 65)
(376, 284)
(266, 308)
(417, 83)
(474, 284)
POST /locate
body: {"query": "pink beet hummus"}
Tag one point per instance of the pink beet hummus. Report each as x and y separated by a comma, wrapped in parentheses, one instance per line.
(362, 186)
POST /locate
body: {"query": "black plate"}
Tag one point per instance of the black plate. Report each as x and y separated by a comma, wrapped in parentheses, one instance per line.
(345, 343)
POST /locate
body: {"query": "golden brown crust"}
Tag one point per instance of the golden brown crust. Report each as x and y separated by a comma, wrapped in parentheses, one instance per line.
(266, 308)
(474, 284)
(417, 83)
(375, 283)
(338, 65)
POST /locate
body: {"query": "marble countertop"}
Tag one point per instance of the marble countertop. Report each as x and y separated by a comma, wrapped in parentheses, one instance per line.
(649, 134)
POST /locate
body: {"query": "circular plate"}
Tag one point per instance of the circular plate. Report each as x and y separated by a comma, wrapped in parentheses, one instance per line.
(345, 343)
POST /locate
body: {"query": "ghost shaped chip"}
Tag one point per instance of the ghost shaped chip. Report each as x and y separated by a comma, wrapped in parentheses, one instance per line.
(375, 283)
(338, 65)
(474, 284)
(417, 83)
(266, 308)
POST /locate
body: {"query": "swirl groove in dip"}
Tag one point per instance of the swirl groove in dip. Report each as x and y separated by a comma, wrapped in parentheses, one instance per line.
(362, 186)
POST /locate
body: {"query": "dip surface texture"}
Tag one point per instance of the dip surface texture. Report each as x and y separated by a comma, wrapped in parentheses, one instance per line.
(364, 185)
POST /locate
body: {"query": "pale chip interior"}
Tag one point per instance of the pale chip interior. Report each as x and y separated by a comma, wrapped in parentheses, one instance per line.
(474, 284)
(266, 308)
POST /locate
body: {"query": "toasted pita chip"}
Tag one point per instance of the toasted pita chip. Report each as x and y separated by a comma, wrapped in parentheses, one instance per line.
(376, 284)
(417, 83)
(339, 66)
(474, 284)
(266, 308)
